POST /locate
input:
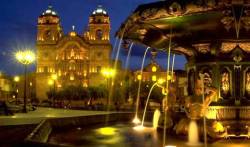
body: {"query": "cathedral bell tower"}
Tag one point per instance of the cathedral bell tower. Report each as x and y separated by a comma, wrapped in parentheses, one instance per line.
(49, 32)
(49, 29)
(99, 26)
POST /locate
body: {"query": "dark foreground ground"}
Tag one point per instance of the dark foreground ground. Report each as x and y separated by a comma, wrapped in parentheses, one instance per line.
(14, 135)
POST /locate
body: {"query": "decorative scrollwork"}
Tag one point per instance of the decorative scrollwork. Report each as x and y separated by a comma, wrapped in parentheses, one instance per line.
(227, 47)
(202, 48)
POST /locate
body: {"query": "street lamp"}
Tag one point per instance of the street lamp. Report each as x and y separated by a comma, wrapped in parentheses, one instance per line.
(25, 57)
(108, 73)
(16, 80)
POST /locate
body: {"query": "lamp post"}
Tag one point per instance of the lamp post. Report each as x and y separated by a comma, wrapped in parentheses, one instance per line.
(25, 57)
(108, 73)
(50, 83)
(16, 80)
(54, 78)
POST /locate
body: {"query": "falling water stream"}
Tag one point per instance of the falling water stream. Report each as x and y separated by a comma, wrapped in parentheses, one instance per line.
(139, 88)
(145, 109)
(128, 56)
(193, 135)
(156, 118)
(172, 70)
(113, 78)
(114, 48)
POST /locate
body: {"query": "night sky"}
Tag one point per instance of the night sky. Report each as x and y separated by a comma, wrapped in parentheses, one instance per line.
(18, 19)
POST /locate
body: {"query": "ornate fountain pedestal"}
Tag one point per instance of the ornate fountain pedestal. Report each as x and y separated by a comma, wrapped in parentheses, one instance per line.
(214, 36)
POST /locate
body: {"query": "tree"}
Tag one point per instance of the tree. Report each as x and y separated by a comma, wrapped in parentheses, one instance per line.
(83, 93)
(102, 91)
(93, 92)
(75, 93)
(97, 92)
(50, 94)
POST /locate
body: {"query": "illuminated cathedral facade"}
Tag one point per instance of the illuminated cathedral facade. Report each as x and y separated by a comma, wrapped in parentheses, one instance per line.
(72, 58)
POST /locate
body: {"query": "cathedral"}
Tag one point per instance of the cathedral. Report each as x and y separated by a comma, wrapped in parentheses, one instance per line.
(74, 59)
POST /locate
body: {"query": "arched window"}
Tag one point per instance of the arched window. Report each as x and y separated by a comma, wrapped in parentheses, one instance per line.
(99, 20)
(225, 83)
(99, 34)
(191, 81)
(47, 35)
(247, 82)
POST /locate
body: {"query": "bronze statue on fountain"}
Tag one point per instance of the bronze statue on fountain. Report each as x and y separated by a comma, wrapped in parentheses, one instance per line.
(196, 107)
(168, 103)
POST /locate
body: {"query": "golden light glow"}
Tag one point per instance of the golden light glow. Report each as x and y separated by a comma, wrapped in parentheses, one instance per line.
(50, 115)
(108, 72)
(154, 69)
(85, 84)
(73, 34)
(16, 79)
(212, 112)
(218, 127)
(54, 77)
(72, 78)
(50, 82)
(107, 131)
(154, 78)
(59, 73)
(25, 57)
(169, 77)
(161, 81)
(139, 77)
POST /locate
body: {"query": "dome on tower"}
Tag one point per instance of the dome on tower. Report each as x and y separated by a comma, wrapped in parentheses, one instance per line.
(49, 16)
(49, 11)
(99, 11)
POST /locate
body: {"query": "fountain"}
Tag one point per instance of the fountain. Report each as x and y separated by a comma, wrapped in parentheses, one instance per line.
(221, 54)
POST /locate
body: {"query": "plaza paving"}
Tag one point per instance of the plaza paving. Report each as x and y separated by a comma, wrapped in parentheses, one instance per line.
(34, 117)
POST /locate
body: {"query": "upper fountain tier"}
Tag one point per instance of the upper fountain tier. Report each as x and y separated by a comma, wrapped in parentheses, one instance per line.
(196, 25)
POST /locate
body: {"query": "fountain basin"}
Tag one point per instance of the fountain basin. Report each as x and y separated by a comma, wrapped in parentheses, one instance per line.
(92, 131)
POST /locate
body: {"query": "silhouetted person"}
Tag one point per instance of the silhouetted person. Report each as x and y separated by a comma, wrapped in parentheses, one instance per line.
(6, 109)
